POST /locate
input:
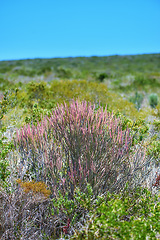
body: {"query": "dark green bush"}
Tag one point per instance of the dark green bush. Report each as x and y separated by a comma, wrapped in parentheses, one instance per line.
(44, 70)
(64, 72)
(153, 100)
(102, 76)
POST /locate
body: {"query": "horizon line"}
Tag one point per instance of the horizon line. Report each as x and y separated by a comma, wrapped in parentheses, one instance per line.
(80, 56)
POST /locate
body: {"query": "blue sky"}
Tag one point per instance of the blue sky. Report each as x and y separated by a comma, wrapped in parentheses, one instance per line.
(63, 28)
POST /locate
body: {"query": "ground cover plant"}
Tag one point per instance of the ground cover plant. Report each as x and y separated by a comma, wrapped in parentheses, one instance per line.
(80, 158)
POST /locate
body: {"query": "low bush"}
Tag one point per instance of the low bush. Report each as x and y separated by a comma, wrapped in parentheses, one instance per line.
(153, 100)
(25, 215)
(135, 216)
(137, 100)
(63, 72)
(141, 81)
(5, 148)
(78, 144)
(102, 76)
(34, 187)
(48, 95)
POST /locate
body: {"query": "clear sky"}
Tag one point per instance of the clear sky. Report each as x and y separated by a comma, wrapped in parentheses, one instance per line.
(69, 28)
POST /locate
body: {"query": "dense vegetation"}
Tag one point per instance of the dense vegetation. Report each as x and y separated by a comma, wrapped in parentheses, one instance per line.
(80, 148)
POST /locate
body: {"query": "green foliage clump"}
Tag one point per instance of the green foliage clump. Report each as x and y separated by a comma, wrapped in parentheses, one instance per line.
(5, 147)
(63, 72)
(23, 71)
(153, 100)
(131, 216)
(4, 83)
(143, 81)
(36, 113)
(153, 143)
(102, 76)
(156, 124)
(4, 172)
(139, 128)
(36, 90)
(44, 70)
(4, 104)
(9, 101)
(4, 68)
(74, 208)
(48, 95)
(137, 100)
(154, 149)
(37, 93)
(91, 91)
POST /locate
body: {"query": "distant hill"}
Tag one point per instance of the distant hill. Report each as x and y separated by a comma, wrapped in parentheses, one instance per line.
(81, 67)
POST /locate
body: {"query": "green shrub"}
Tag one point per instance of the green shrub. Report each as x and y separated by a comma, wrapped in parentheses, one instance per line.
(4, 83)
(24, 71)
(157, 113)
(76, 207)
(137, 100)
(4, 172)
(36, 90)
(139, 127)
(5, 147)
(36, 113)
(46, 96)
(156, 124)
(153, 100)
(102, 76)
(63, 72)
(5, 69)
(36, 93)
(153, 149)
(142, 80)
(44, 70)
(94, 92)
(135, 216)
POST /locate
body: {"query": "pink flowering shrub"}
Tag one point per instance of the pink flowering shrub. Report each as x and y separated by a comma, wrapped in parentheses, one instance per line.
(78, 144)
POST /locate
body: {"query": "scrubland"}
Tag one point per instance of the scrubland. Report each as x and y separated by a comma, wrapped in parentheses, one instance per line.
(80, 148)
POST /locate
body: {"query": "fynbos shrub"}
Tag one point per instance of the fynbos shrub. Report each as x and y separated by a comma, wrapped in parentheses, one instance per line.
(137, 100)
(78, 144)
(153, 100)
